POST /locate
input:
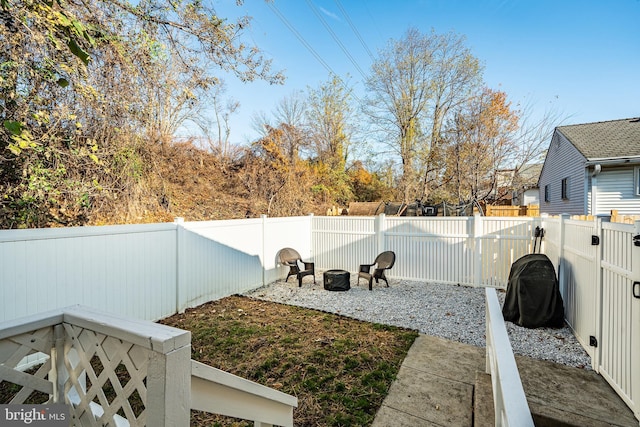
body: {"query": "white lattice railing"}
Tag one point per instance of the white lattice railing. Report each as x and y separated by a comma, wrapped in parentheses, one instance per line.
(125, 372)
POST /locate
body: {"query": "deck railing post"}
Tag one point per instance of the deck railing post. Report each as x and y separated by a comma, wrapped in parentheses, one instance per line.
(169, 388)
(57, 364)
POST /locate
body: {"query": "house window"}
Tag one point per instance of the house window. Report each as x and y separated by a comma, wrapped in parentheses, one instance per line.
(636, 176)
(565, 188)
(546, 193)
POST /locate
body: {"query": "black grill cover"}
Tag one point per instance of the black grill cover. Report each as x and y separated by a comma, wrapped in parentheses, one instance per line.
(533, 297)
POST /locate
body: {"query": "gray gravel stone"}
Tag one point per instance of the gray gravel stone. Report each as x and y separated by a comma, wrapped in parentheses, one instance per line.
(448, 311)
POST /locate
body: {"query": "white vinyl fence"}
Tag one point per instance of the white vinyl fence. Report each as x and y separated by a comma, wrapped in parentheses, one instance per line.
(221, 258)
(473, 251)
(152, 271)
(148, 271)
(125, 269)
(598, 265)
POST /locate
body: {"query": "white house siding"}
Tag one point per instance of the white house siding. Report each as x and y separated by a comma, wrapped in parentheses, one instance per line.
(589, 204)
(563, 161)
(531, 197)
(615, 190)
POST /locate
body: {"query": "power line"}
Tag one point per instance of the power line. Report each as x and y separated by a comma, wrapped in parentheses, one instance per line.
(309, 47)
(299, 37)
(335, 38)
(354, 29)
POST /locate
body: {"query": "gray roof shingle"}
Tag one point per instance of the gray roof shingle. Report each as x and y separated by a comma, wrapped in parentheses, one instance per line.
(605, 140)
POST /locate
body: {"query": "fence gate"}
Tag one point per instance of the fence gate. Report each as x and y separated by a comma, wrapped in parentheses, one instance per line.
(619, 346)
(579, 282)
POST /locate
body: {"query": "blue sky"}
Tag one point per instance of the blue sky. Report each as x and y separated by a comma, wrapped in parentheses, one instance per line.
(581, 58)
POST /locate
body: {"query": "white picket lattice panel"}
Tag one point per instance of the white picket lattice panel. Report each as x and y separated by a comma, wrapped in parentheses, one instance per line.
(13, 351)
(105, 375)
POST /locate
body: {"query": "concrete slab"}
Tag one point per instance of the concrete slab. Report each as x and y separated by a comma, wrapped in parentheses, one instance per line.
(449, 359)
(483, 410)
(563, 395)
(434, 385)
(442, 383)
(432, 398)
(389, 417)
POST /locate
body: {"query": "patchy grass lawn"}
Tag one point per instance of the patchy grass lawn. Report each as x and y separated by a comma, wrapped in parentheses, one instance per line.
(340, 369)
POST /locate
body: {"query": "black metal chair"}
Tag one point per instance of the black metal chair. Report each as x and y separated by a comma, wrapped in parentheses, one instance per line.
(383, 262)
(291, 258)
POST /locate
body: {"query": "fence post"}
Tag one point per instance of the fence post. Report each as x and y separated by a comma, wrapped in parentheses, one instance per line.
(478, 232)
(264, 259)
(312, 255)
(595, 362)
(542, 222)
(635, 317)
(379, 228)
(179, 222)
(562, 280)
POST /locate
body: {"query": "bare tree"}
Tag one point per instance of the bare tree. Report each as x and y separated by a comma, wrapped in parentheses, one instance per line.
(413, 86)
(214, 121)
(534, 133)
(328, 122)
(329, 117)
(289, 118)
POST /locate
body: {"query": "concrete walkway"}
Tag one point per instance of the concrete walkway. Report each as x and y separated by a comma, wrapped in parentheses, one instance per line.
(442, 383)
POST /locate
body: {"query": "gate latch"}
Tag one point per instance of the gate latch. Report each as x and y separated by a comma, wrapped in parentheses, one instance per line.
(636, 240)
(636, 290)
(595, 240)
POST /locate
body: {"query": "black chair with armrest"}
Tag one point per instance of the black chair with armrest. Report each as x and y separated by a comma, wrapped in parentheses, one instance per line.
(297, 267)
(383, 262)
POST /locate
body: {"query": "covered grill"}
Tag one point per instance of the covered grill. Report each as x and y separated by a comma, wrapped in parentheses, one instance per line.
(533, 296)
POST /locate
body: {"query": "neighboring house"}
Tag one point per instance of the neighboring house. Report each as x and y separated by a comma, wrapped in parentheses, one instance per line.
(516, 187)
(502, 192)
(526, 185)
(592, 168)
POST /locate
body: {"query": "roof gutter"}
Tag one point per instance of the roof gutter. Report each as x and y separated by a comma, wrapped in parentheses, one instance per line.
(613, 161)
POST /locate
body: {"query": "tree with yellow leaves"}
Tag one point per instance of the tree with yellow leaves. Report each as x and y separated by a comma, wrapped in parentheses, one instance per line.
(480, 143)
